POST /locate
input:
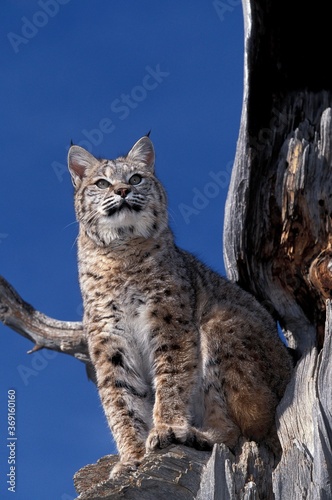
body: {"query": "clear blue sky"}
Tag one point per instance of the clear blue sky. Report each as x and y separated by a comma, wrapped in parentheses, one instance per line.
(101, 74)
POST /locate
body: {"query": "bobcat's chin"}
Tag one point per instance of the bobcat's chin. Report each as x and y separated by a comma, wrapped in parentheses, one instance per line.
(124, 207)
(125, 224)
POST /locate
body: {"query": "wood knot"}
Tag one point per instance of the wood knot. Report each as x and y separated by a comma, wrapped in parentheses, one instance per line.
(4, 312)
(320, 273)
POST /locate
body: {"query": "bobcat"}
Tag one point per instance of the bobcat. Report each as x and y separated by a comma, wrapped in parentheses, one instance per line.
(181, 354)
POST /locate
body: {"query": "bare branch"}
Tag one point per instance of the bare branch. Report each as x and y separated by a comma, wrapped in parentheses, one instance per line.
(63, 336)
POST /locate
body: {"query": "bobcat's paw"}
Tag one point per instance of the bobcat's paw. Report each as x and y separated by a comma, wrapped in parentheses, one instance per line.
(199, 440)
(121, 468)
(164, 435)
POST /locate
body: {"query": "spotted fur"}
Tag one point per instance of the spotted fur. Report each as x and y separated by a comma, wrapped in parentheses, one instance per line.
(181, 354)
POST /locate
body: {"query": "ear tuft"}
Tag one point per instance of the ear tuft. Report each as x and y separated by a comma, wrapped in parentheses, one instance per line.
(79, 161)
(142, 153)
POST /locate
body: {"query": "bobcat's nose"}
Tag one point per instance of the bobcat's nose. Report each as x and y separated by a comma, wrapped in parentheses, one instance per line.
(122, 191)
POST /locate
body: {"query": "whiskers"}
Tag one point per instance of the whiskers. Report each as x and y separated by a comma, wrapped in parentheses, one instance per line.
(172, 216)
(74, 243)
(69, 225)
(109, 204)
(107, 217)
(89, 222)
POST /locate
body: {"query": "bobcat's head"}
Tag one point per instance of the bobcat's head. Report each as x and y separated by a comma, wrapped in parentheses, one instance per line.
(118, 199)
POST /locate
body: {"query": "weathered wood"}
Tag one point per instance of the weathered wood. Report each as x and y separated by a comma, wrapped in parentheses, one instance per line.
(174, 472)
(283, 251)
(277, 242)
(183, 473)
(277, 219)
(305, 417)
(45, 332)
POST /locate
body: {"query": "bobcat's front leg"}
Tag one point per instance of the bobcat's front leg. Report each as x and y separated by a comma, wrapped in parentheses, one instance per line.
(176, 373)
(126, 398)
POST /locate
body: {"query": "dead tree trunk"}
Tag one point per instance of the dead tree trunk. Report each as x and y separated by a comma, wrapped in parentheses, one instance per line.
(278, 220)
(277, 245)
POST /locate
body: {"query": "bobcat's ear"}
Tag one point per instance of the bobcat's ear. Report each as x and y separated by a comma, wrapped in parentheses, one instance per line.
(79, 160)
(142, 153)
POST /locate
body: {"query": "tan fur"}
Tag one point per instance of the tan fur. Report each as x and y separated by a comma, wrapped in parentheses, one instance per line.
(181, 354)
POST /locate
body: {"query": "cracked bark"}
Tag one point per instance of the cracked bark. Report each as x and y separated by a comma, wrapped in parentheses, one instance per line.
(277, 234)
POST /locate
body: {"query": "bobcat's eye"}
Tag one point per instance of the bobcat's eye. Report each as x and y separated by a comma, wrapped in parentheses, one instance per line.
(103, 183)
(135, 179)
